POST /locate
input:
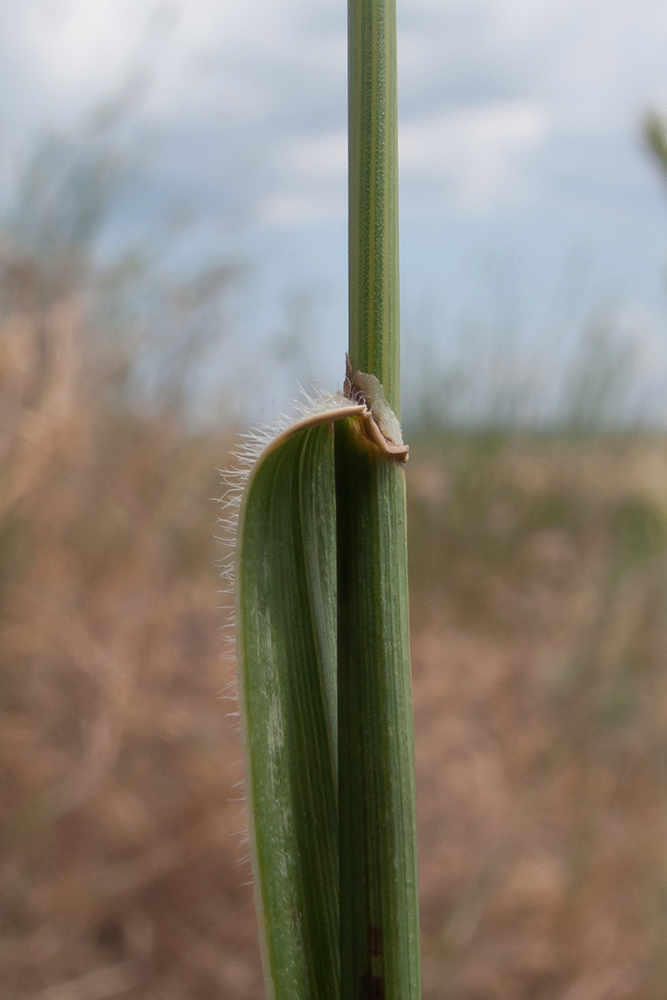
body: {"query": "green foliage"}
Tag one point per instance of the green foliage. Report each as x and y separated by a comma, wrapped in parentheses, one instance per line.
(323, 647)
(287, 663)
(322, 619)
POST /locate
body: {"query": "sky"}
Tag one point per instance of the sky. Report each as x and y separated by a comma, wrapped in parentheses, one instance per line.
(528, 201)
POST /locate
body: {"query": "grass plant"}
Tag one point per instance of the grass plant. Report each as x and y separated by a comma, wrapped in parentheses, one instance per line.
(322, 620)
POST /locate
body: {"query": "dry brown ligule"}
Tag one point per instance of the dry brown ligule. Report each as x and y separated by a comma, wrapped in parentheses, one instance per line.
(380, 423)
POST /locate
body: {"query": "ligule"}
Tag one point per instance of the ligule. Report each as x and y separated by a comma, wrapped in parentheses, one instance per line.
(323, 651)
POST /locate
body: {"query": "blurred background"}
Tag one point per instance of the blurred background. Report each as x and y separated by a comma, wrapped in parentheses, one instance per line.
(172, 266)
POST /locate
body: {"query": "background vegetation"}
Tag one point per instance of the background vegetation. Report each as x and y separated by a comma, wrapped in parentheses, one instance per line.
(539, 591)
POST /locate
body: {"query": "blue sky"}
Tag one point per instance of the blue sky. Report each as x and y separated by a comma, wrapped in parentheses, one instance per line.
(527, 200)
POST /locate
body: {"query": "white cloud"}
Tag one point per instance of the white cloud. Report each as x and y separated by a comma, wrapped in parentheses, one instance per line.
(78, 50)
(519, 126)
(311, 178)
(483, 84)
(318, 157)
(299, 208)
(473, 158)
(470, 159)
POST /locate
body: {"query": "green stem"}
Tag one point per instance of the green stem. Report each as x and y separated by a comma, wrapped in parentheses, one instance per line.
(379, 929)
(373, 193)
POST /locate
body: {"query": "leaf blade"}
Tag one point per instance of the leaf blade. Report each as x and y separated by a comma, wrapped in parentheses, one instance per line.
(287, 676)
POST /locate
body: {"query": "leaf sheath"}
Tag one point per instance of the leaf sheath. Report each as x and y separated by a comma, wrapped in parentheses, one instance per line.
(378, 863)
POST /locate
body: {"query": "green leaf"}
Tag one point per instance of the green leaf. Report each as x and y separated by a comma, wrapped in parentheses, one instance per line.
(323, 657)
(287, 606)
(286, 638)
